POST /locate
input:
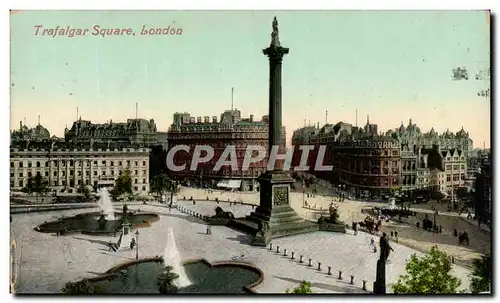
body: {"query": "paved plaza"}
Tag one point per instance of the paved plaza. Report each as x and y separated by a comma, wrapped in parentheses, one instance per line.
(45, 262)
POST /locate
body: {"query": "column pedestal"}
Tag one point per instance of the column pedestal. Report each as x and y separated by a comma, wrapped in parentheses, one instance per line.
(379, 284)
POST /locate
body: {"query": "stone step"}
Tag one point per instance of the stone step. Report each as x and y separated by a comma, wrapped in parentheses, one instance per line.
(285, 220)
(293, 229)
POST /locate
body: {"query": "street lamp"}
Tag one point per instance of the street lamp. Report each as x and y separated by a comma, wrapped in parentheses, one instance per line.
(137, 244)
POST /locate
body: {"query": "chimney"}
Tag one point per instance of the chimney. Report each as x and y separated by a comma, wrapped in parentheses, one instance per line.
(20, 125)
(251, 118)
(206, 119)
(198, 119)
(214, 119)
(192, 120)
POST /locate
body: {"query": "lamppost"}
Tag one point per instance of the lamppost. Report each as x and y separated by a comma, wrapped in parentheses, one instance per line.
(303, 193)
(137, 244)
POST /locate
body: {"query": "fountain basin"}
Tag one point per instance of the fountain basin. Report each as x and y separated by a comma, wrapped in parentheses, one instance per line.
(140, 276)
(88, 223)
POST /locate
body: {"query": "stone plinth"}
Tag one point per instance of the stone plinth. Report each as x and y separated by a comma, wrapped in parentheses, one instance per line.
(274, 211)
(379, 284)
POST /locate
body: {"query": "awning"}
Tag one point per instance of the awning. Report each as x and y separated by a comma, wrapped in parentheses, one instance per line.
(234, 184)
(223, 183)
(229, 184)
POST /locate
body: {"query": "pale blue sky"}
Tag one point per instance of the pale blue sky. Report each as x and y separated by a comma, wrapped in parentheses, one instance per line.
(391, 65)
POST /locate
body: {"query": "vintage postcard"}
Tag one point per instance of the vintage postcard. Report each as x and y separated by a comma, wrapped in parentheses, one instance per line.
(250, 152)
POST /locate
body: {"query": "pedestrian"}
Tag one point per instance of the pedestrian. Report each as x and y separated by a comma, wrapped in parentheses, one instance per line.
(440, 229)
(209, 229)
(396, 235)
(110, 246)
(392, 234)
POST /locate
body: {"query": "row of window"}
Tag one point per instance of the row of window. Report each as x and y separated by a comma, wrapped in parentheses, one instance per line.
(76, 163)
(455, 167)
(79, 173)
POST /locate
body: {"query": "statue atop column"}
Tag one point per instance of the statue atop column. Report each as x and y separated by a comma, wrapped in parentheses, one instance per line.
(275, 38)
(385, 248)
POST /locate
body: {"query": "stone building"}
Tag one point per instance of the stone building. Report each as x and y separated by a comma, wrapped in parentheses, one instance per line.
(365, 163)
(423, 156)
(24, 133)
(133, 132)
(454, 173)
(66, 167)
(231, 129)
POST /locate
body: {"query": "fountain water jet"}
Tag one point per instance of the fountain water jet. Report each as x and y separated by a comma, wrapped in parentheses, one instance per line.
(106, 205)
(171, 257)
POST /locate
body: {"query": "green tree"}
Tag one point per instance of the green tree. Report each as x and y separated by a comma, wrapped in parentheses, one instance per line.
(37, 185)
(83, 287)
(84, 190)
(481, 275)
(303, 288)
(123, 185)
(158, 184)
(428, 275)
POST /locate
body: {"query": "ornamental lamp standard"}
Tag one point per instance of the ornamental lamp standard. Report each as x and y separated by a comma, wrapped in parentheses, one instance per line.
(137, 244)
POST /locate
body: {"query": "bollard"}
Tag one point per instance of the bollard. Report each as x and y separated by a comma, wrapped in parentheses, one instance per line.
(270, 246)
(329, 270)
(310, 260)
(292, 255)
(340, 275)
(364, 284)
(452, 259)
(352, 280)
(319, 266)
(300, 261)
(277, 249)
(284, 252)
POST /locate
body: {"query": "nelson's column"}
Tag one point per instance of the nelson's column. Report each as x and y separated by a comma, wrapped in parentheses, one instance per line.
(274, 217)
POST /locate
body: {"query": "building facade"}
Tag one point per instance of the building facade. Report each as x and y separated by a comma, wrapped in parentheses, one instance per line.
(137, 132)
(363, 162)
(66, 167)
(400, 159)
(231, 129)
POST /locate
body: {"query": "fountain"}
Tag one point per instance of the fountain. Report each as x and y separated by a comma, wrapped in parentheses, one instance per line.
(171, 257)
(106, 205)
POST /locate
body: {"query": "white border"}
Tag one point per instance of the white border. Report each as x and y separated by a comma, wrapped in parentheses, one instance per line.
(185, 5)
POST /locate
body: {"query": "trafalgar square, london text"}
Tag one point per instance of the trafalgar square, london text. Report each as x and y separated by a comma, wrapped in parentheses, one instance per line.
(101, 31)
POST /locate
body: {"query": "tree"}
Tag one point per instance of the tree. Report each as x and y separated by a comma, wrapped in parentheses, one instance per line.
(428, 275)
(123, 185)
(481, 275)
(303, 288)
(82, 189)
(83, 287)
(158, 184)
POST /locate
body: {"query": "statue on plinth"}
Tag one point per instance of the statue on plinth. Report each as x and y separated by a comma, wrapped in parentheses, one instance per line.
(275, 39)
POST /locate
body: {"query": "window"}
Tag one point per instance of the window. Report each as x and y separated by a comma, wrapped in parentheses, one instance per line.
(37, 163)
(20, 175)
(144, 188)
(143, 180)
(46, 174)
(55, 174)
(71, 163)
(21, 183)
(95, 173)
(79, 173)
(12, 175)
(29, 164)
(136, 163)
(11, 164)
(20, 164)
(112, 163)
(87, 173)
(128, 162)
(71, 173)
(120, 163)
(135, 188)
(135, 172)
(103, 162)
(95, 162)
(144, 163)
(103, 173)
(448, 177)
(135, 181)
(29, 174)
(46, 163)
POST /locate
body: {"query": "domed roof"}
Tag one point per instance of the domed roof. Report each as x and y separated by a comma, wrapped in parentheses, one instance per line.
(41, 131)
(462, 133)
(448, 134)
(432, 133)
(401, 128)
